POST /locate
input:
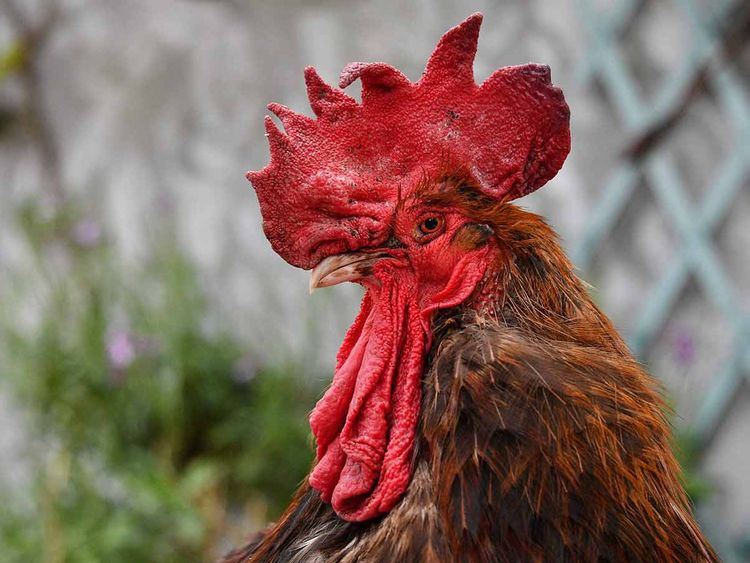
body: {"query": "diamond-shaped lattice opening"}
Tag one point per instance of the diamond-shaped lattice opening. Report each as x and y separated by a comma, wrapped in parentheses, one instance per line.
(732, 240)
(691, 349)
(699, 144)
(655, 45)
(630, 261)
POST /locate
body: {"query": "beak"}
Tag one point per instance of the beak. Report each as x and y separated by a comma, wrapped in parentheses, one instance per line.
(339, 268)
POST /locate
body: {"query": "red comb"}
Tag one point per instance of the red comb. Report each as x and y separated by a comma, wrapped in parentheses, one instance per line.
(511, 133)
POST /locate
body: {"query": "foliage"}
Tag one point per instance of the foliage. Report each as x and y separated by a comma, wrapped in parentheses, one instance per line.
(687, 450)
(13, 59)
(157, 434)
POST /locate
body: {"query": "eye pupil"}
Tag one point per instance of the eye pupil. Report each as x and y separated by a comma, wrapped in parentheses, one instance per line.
(429, 226)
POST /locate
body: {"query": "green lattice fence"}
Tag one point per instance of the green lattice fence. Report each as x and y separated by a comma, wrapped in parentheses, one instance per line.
(718, 34)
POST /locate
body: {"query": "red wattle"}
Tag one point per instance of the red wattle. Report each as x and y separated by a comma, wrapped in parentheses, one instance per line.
(366, 422)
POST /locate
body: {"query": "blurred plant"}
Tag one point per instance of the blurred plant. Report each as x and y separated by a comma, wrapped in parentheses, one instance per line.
(13, 59)
(687, 449)
(154, 435)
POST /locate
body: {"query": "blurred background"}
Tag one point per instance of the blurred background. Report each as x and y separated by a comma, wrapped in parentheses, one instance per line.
(157, 360)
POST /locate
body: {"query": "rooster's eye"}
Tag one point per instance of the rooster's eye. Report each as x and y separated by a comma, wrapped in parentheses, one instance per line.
(430, 225)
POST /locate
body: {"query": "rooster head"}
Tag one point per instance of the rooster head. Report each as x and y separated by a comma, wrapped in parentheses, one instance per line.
(362, 193)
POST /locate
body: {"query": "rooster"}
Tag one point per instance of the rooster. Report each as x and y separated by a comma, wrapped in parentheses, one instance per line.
(482, 407)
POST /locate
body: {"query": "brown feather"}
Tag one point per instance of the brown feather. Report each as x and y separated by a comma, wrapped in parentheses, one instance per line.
(540, 438)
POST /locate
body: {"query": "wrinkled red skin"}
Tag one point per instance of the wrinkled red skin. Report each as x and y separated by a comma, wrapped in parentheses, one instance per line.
(334, 182)
(365, 423)
(348, 180)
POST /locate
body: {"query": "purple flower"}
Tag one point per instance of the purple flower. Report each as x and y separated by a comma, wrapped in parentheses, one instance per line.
(120, 349)
(683, 348)
(87, 233)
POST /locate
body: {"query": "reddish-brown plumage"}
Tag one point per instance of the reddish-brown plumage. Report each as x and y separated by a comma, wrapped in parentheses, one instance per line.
(522, 428)
(540, 438)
